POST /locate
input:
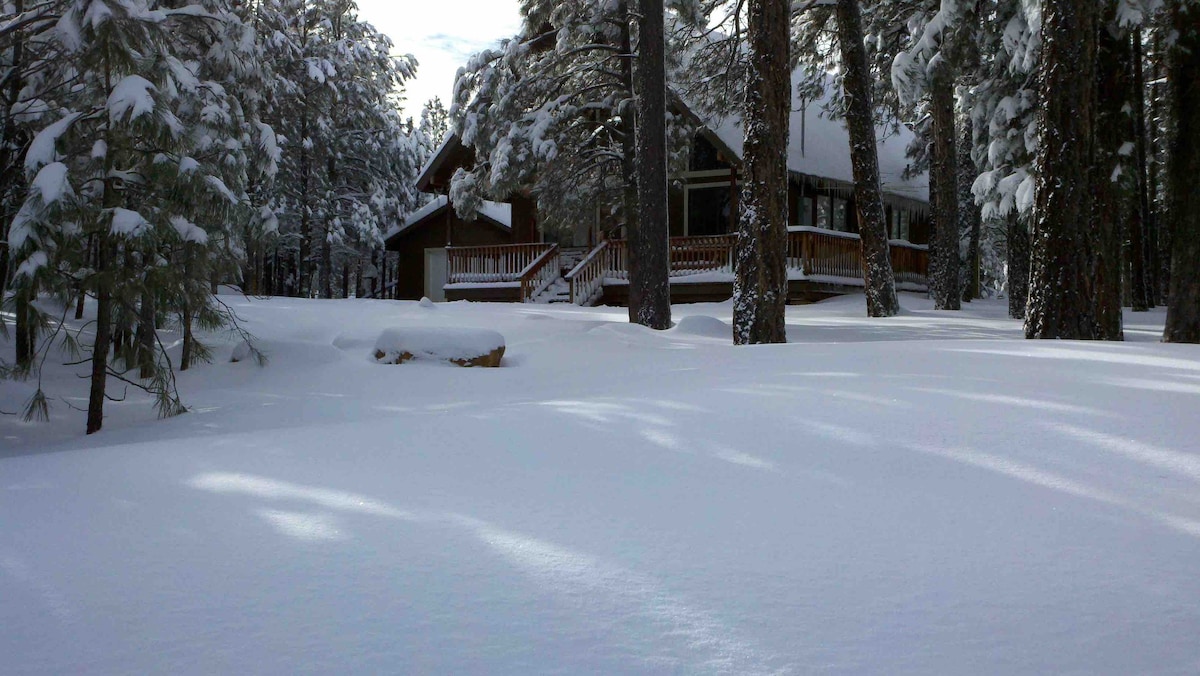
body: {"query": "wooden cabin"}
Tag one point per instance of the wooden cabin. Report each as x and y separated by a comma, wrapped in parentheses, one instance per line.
(490, 259)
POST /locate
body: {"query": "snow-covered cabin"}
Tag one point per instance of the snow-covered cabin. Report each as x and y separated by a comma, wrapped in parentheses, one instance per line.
(443, 256)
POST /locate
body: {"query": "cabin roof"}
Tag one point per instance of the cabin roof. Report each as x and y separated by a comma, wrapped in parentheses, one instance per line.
(820, 147)
(496, 213)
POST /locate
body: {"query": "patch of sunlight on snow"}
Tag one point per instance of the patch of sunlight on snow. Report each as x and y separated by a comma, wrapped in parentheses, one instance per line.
(634, 603)
(1170, 460)
(307, 526)
(1056, 482)
(1038, 352)
(662, 438)
(1153, 385)
(270, 489)
(603, 412)
(737, 457)
(1023, 402)
(841, 433)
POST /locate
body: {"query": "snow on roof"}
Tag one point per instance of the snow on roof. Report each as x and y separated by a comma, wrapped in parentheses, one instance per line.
(436, 157)
(498, 212)
(819, 146)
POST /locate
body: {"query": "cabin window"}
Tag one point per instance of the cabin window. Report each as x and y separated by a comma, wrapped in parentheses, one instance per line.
(824, 210)
(805, 215)
(840, 221)
(898, 224)
(708, 209)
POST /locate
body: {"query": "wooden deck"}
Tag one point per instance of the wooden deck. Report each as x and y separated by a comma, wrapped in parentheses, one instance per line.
(821, 264)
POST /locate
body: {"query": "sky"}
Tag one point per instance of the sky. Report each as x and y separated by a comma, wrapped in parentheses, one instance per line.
(442, 34)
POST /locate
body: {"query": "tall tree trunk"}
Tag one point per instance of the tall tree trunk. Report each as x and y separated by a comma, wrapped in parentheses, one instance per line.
(95, 414)
(1062, 288)
(648, 242)
(1160, 231)
(26, 320)
(1183, 76)
(629, 193)
(760, 259)
(878, 276)
(146, 335)
(970, 218)
(346, 279)
(1139, 250)
(1112, 131)
(943, 179)
(1018, 265)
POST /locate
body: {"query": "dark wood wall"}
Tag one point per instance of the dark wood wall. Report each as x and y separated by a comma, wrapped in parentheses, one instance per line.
(429, 233)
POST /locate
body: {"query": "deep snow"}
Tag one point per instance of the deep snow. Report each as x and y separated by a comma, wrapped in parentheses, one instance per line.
(922, 494)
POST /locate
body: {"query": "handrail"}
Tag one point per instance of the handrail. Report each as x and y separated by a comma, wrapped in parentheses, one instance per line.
(588, 274)
(540, 273)
(491, 263)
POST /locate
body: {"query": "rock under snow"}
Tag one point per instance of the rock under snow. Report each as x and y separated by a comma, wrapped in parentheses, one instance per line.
(241, 352)
(461, 346)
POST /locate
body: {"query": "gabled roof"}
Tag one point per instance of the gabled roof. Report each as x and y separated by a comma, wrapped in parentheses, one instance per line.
(495, 213)
(450, 155)
(820, 147)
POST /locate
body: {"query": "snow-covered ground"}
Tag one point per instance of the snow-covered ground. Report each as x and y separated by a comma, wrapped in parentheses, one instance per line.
(923, 494)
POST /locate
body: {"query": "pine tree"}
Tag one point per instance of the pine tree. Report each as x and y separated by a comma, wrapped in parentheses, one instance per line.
(1064, 243)
(1183, 73)
(760, 285)
(649, 283)
(879, 280)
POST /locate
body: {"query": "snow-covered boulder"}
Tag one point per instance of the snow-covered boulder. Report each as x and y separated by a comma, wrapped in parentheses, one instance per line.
(464, 347)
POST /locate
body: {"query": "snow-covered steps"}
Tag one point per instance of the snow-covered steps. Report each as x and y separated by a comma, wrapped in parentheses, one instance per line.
(559, 291)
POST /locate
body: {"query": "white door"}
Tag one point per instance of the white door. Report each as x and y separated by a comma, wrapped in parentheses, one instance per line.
(435, 274)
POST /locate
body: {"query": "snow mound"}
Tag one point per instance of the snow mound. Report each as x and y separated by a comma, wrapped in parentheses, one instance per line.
(462, 346)
(703, 325)
(241, 352)
(425, 302)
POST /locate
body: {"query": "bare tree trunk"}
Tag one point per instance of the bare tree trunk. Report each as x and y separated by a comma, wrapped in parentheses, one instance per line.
(1139, 251)
(1018, 265)
(970, 219)
(26, 338)
(1064, 265)
(1183, 76)
(943, 179)
(146, 335)
(878, 277)
(629, 194)
(760, 263)
(1111, 131)
(95, 414)
(346, 279)
(648, 241)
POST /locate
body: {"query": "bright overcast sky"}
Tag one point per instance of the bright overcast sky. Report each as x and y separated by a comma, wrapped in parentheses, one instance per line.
(442, 34)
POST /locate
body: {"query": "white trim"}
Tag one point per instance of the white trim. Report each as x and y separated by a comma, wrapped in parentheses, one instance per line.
(708, 173)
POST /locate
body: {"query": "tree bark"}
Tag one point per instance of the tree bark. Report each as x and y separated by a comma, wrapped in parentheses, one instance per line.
(1139, 251)
(1183, 77)
(26, 338)
(1018, 265)
(1112, 130)
(878, 276)
(648, 241)
(970, 218)
(146, 335)
(1062, 288)
(943, 192)
(95, 414)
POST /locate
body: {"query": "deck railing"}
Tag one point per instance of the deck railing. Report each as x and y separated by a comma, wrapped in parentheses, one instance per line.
(493, 263)
(814, 252)
(586, 279)
(540, 273)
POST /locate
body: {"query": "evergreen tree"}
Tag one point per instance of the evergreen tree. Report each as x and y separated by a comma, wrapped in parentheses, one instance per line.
(760, 266)
(1183, 73)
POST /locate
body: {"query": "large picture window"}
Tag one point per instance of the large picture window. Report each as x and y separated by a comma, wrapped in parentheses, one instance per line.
(708, 209)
